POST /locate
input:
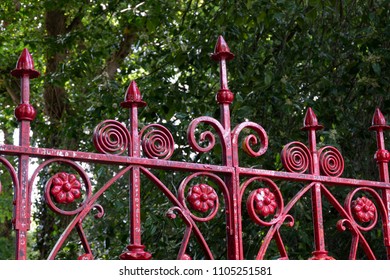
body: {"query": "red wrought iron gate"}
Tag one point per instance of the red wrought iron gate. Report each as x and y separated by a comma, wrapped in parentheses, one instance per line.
(140, 151)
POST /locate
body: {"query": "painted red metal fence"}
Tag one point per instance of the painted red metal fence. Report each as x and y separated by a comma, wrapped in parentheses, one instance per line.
(140, 151)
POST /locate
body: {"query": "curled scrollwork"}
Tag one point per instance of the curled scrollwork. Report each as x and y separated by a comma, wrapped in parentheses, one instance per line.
(83, 209)
(111, 137)
(344, 224)
(201, 197)
(296, 157)
(251, 139)
(12, 172)
(187, 220)
(157, 141)
(100, 211)
(331, 161)
(206, 136)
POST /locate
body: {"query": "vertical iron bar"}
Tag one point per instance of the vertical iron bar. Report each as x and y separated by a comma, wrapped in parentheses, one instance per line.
(24, 113)
(225, 97)
(135, 250)
(382, 157)
(23, 214)
(135, 193)
(311, 125)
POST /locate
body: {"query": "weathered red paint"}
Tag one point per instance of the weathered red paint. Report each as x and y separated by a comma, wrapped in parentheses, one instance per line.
(65, 188)
(202, 197)
(152, 147)
(24, 114)
(382, 157)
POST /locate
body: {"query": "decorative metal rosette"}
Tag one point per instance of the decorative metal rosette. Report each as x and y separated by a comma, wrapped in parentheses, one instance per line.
(111, 137)
(202, 197)
(65, 188)
(186, 257)
(364, 209)
(63, 191)
(157, 142)
(265, 202)
(296, 157)
(85, 257)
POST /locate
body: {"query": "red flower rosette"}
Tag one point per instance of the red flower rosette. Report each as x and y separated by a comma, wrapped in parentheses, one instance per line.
(202, 197)
(265, 202)
(65, 188)
(364, 209)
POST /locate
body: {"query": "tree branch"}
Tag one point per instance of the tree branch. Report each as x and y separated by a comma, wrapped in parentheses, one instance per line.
(14, 96)
(123, 51)
(76, 22)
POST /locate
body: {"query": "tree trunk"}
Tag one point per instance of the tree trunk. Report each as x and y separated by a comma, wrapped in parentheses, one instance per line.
(54, 92)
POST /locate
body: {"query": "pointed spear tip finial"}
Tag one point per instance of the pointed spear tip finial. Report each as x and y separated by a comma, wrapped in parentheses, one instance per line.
(25, 60)
(378, 118)
(133, 92)
(221, 50)
(310, 121)
(379, 121)
(133, 96)
(25, 66)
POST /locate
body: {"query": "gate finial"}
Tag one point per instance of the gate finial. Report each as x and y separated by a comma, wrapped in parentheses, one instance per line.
(379, 121)
(25, 65)
(222, 51)
(310, 121)
(133, 96)
(24, 113)
(222, 54)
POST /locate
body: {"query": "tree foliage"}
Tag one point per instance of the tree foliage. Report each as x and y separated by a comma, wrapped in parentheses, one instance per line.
(333, 56)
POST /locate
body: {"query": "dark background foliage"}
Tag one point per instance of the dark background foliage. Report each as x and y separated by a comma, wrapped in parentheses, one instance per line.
(332, 56)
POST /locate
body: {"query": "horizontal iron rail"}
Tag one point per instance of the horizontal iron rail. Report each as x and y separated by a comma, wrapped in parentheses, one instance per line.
(110, 159)
(184, 166)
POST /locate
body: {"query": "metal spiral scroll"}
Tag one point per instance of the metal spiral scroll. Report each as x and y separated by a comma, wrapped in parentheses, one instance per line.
(252, 139)
(331, 161)
(157, 142)
(187, 220)
(296, 157)
(111, 137)
(100, 211)
(207, 136)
